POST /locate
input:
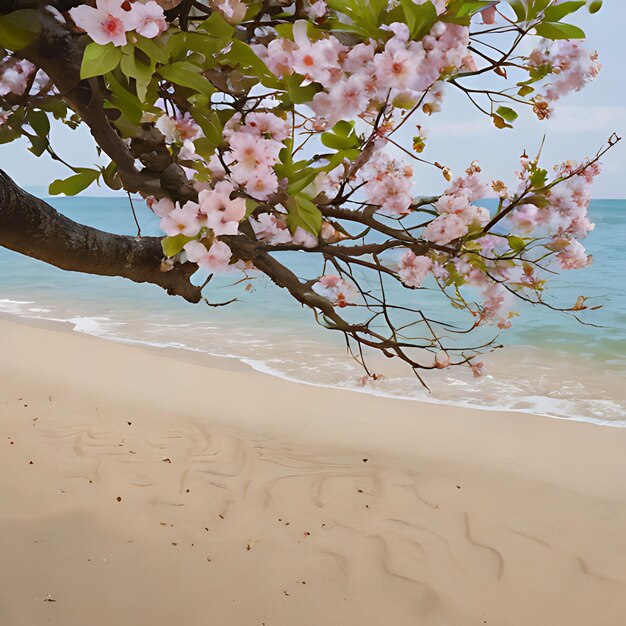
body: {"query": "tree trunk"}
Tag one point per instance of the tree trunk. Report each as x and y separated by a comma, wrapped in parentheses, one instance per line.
(32, 227)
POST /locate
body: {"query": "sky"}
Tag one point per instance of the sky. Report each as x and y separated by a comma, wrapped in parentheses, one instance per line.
(582, 122)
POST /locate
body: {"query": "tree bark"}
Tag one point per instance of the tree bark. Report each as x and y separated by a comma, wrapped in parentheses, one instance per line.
(32, 227)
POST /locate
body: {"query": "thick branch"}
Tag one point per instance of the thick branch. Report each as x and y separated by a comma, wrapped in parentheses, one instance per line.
(32, 227)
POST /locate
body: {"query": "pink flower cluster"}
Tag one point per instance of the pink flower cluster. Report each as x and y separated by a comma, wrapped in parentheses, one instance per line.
(496, 299)
(215, 259)
(387, 183)
(413, 269)
(571, 66)
(574, 256)
(14, 76)
(181, 129)
(335, 289)
(457, 214)
(272, 229)
(255, 144)
(233, 11)
(364, 76)
(565, 219)
(215, 210)
(110, 20)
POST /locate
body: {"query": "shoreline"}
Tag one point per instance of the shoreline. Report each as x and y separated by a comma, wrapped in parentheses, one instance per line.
(141, 488)
(229, 362)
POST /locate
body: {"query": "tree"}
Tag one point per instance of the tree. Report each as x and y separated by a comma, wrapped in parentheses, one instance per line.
(262, 129)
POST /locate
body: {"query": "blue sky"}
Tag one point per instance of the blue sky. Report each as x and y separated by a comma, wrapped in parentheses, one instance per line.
(459, 134)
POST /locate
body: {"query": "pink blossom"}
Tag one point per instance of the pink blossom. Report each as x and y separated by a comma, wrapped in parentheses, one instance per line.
(267, 227)
(396, 68)
(167, 126)
(233, 10)
(462, 208)
(304, 238)
(316, 60)
(262, 185)
(439, 271)
(574, 257)
(572, 67)
(335, 289)
(15, 76)
(182, 220)
(251, 153)
(218, 212)
(527, 217)
(162, 207)
(348, 98)
(412, 269)
(316, 9)
(149, 18)
(108, 22)
(388, 184)
(495, 304)
(471, 186)
(277, 56)
(359, 59)
(445, 228)
(267, 125)
(215, 259)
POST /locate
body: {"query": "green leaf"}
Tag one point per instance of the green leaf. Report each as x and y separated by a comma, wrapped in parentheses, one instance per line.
(99, 60)
(133, 68)
(343, 128)
(538, 178)
(524, 90)
(557, 12)
(173, 245)
(39, 122)
(595, 6)
(122, 99)
(303, 213)
(517, 244)
(19, 28)
(297, 93)
(111, 177)
(187, 75)
(520, 8)
(243, 56)
(557, 30)
(420, 18)
(499, 122)
(210, 124)
(302, 180)
(251, 206)
(341, 137)
(537, 7)
(539, 200)
(217, 26)
(151, 49)
(507, 113)
(38, 145)
(74, 184)
(461, 11)
(209, 47)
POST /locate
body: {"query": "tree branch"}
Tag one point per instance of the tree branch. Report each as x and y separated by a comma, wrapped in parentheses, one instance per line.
(32, 227)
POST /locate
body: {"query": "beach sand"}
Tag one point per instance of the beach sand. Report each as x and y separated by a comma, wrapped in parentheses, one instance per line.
(143, 486)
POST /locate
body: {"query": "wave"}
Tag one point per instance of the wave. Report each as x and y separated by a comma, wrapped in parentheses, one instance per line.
(492, 393)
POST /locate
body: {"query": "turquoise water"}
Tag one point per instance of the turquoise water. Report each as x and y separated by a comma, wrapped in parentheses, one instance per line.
(551, 364)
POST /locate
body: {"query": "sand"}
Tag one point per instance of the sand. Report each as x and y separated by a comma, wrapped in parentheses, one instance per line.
(142, 486)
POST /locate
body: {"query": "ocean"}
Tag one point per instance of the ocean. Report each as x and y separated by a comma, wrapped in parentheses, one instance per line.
(550, 364)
